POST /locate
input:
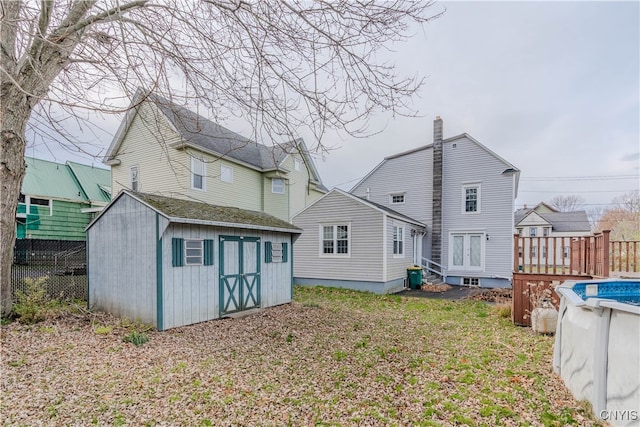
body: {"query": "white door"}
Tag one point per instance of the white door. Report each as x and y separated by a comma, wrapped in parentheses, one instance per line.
(466, 251)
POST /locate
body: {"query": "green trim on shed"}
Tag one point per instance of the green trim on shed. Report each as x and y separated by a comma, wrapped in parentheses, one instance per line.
(86, 251)
(159, 303)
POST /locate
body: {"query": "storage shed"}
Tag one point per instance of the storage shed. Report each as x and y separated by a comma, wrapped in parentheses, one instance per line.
(170, 262)
(350, 242)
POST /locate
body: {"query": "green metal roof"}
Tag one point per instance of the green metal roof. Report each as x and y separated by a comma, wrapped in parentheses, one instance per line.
(49, 179)
(71, 181)
(198, 212)
(95, 182)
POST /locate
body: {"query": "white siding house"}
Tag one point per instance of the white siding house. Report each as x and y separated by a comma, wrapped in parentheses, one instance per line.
(166, 149)
(465, 194)
(170, 262)
(353, 243)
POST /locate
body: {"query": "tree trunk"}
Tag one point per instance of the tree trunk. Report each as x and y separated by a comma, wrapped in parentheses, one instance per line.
(14, 114)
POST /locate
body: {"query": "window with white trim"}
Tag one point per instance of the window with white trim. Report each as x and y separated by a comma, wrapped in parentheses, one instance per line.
(533, 231)
(226, 173)
(335, 239)
(193, 252)
(398, 241)
(471, 198)
(545, 232)
(397, 198)
(198, 173)
(276, 252)
(297, 165)
(471, 281)
(277, 185)
(134, 178)
(35, 201)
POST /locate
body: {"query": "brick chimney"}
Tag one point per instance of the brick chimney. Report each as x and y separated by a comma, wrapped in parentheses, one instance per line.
(436, 207)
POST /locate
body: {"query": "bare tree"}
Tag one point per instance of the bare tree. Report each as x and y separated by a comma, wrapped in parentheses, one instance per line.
(279, 64)
(628, 202)
(567, 203)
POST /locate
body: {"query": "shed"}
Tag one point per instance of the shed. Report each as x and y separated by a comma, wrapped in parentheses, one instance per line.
(350, 242)
(171, 262)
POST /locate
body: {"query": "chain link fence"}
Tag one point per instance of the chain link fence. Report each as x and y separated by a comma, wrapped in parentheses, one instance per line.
(63, 262)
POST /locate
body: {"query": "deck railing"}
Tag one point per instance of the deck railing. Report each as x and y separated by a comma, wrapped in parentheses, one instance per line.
(582, 255)
(623, 256)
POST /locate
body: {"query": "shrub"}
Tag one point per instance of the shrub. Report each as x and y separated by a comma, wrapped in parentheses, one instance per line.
(136, 338)
(503, 310)
(33, 304)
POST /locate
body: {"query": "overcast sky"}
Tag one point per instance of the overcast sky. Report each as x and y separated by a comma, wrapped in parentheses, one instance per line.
(552, 87)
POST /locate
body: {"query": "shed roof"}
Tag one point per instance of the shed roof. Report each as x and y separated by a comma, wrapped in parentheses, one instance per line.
(194, 212)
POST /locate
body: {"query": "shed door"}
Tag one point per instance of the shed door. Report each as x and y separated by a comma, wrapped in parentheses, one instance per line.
(239, 273)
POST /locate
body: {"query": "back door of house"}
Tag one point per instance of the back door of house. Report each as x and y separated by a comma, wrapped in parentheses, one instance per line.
(239, 273)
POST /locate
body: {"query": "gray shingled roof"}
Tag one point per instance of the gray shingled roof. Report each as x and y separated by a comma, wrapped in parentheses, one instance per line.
(392, 212)
(198, 211)
(560, 221)
(202, 132)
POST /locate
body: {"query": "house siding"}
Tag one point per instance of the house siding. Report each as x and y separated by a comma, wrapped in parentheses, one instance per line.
(410, 174)
(300, 195)
(466, 162)
(365, 263)
(63, 222)
(397, 265)
(122, 271)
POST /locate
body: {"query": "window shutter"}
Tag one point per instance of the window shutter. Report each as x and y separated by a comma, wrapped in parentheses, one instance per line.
(285, 254)
(208, 252)
(267, 252)
(177, 252)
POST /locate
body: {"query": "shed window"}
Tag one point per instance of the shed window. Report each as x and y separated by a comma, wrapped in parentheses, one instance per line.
(335, 239)
(191, 252)
(198, 172)
(275, 252)
(134, 178)
(398, 240)
(277, 185)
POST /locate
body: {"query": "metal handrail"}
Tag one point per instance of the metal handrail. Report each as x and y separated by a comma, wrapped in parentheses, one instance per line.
(442, 272)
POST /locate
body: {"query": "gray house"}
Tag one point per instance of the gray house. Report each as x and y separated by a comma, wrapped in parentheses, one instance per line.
(465, 194)
(354, 243)
(170, 262)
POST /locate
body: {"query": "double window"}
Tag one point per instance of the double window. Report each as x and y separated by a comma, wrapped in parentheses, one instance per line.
(198, 173)
(335, 239)
(398, 241)
(471, 198)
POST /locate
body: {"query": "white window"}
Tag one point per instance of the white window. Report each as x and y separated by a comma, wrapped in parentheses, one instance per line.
(397, 199)
(226, 173)
(519, 230)
(398, 241)
(466, 251)
(297, 165)
(45, 203)
(198, 173)
(193, 252)
(277, 185)
(471, 198)
(134, 178)
(334, 239)
(534, 251)
(532, 231)
(545, 232)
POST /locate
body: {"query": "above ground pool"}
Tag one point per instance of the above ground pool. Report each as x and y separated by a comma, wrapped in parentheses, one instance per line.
(597, 346)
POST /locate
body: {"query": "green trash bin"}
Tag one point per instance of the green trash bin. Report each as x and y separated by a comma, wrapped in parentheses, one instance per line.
(415, 277)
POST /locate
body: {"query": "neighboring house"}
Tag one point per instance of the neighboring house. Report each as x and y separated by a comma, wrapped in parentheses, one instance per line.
(166, 149)
(465, 194)
(57, 200)
(171, 262)
(552, 232)
(354, 243)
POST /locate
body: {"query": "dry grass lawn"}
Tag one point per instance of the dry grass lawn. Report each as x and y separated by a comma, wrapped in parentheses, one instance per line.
(333, 357)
